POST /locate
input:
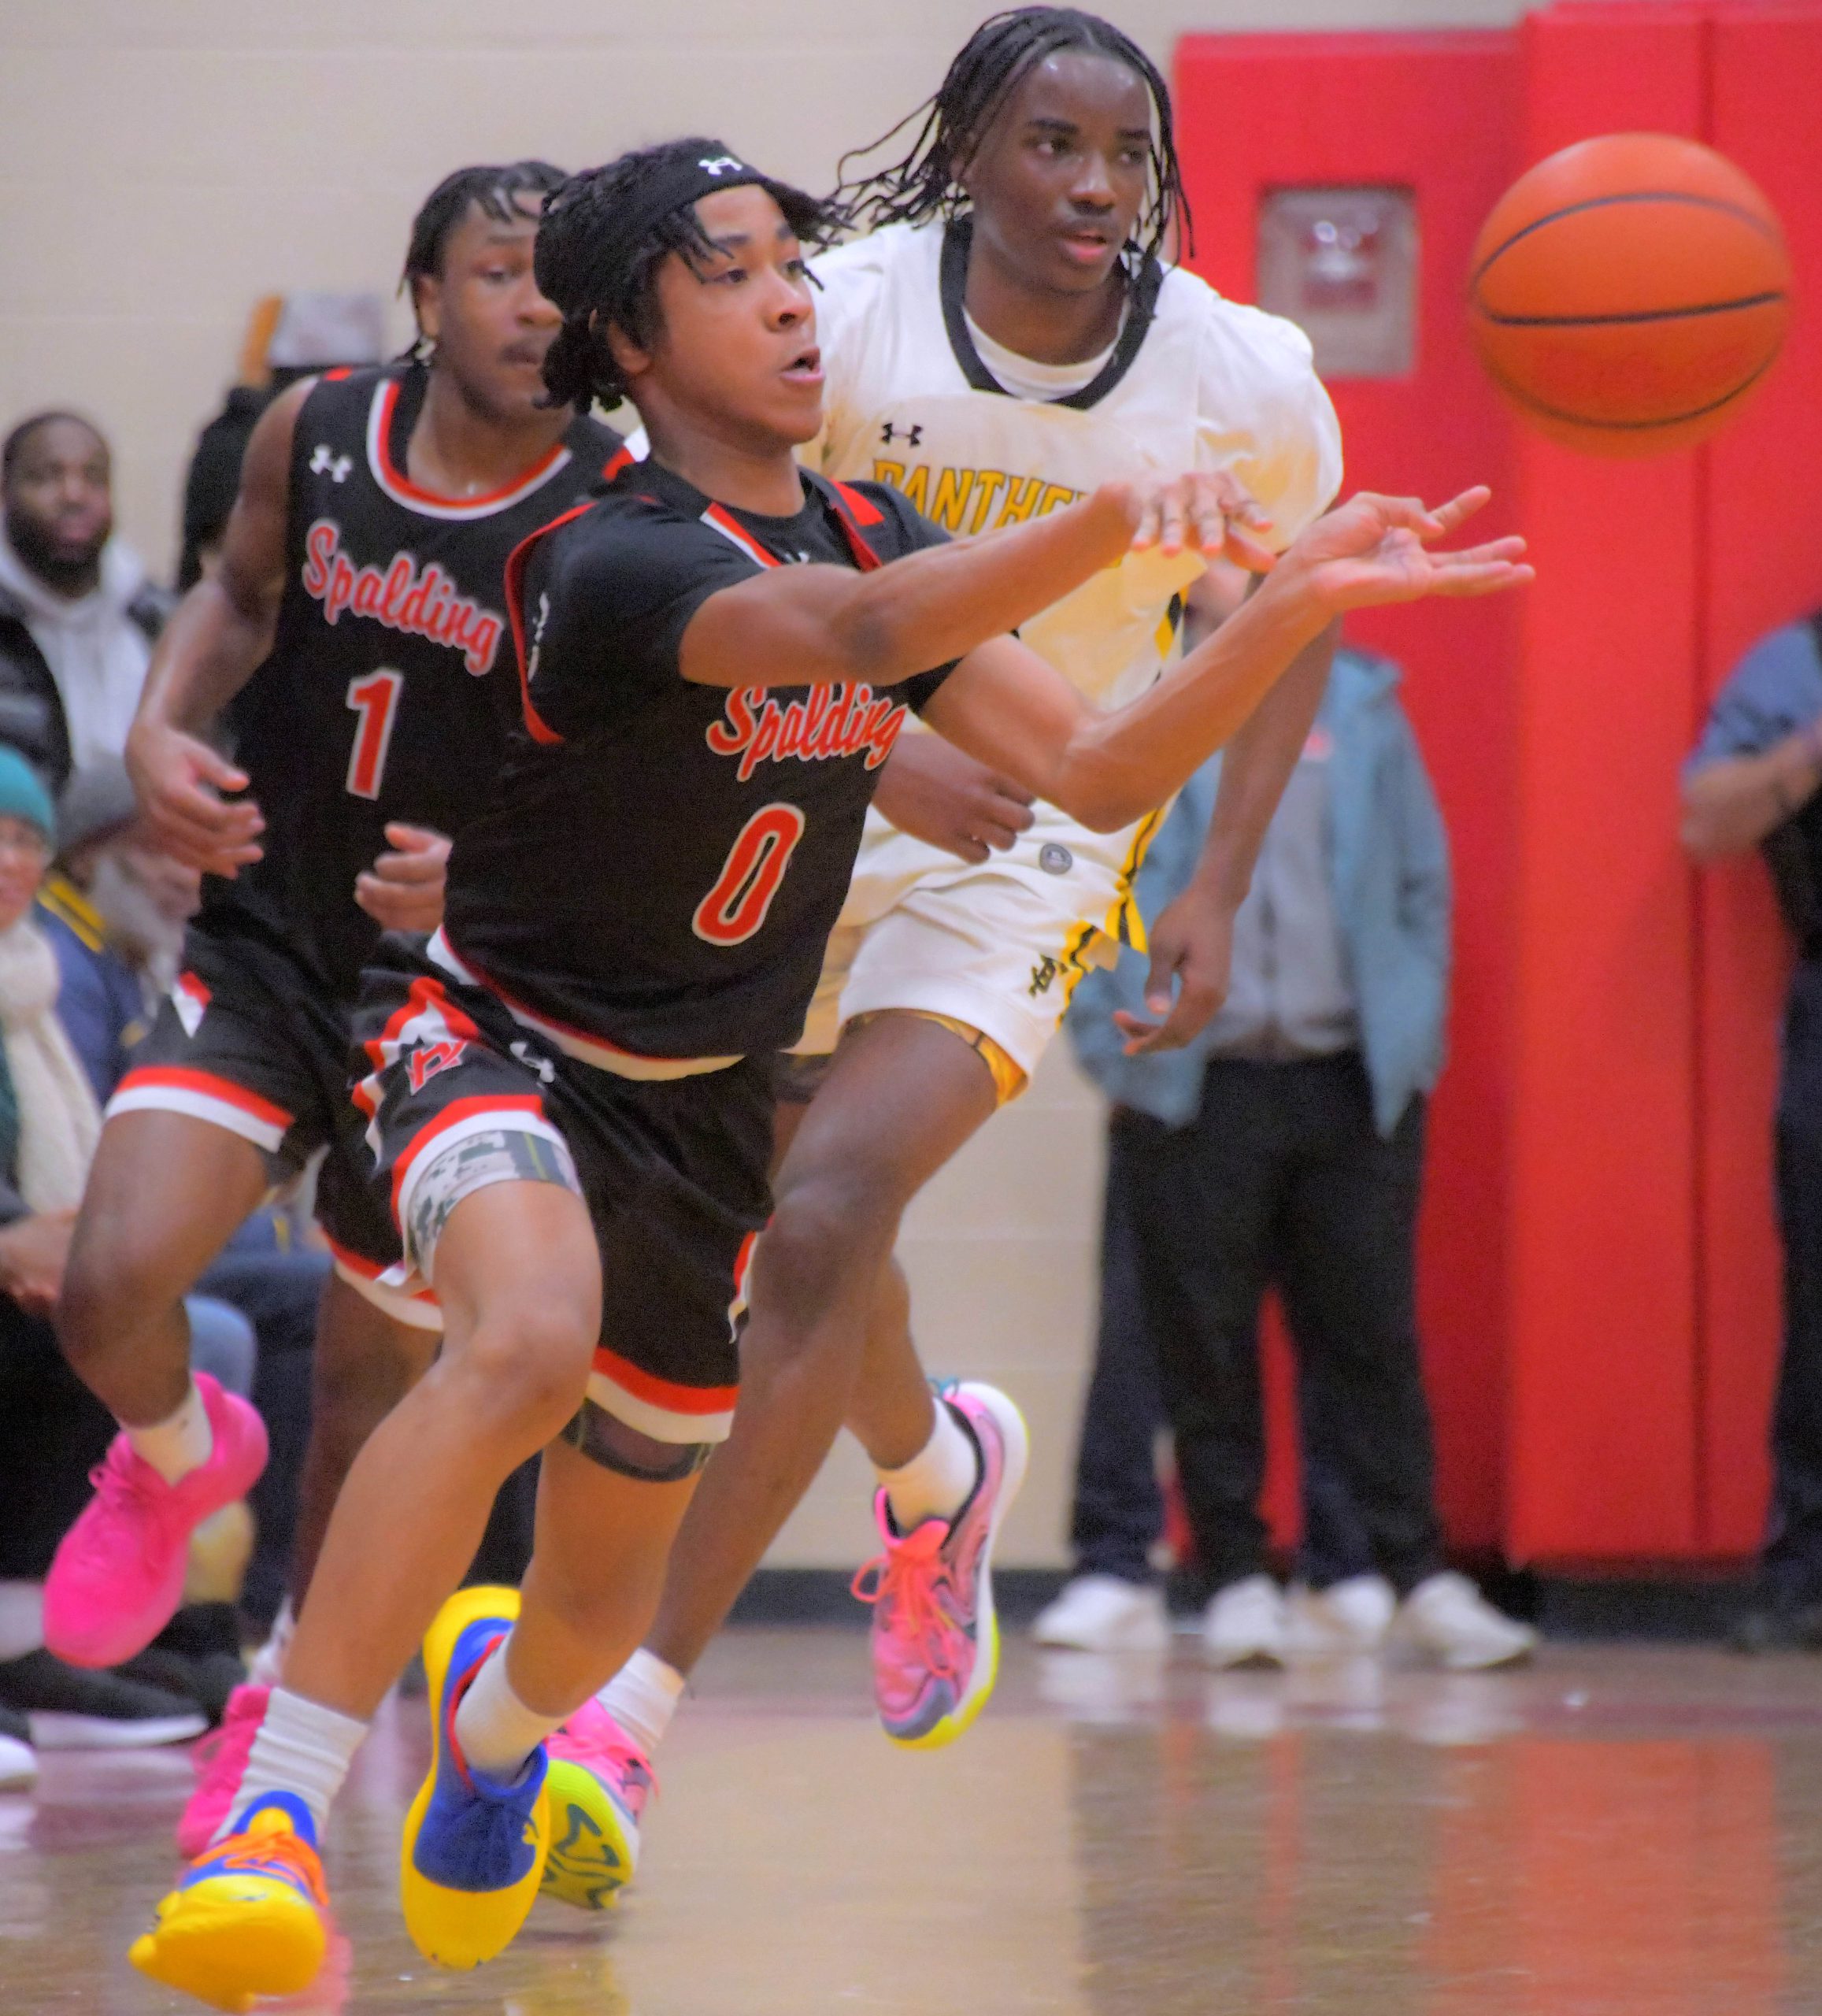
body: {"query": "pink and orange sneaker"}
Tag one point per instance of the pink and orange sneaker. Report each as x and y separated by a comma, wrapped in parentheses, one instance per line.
(117, 1577)
(598, 1784)
(935, 1638)
(221, 1762)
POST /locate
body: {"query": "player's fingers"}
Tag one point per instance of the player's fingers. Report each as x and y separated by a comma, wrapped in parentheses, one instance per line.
(414, 840)
(1462, 507)
(410, 869)
(1010, 802)
(1150, 517)
(1486, 580)
(1172, 516)
(1134, 1029)
(1410, 513)
(216, 769)
(1512, 547)
(1246, 551)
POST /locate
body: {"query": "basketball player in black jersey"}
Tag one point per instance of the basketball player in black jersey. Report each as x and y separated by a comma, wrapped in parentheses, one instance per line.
(356, 636)
(568, 1088)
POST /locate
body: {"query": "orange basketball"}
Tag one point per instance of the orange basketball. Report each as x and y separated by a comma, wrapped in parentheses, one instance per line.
(1627, 293)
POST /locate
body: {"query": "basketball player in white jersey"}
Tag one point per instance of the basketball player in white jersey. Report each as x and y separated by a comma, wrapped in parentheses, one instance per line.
(1006, 339)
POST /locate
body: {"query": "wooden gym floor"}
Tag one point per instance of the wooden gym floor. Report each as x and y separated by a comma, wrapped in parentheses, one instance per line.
(1631, 1830)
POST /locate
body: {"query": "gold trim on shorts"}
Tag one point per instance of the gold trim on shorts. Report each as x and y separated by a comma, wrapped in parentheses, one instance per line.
(1008, 1079)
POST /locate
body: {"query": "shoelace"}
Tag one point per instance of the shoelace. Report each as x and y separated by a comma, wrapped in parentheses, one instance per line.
(233, 1727)
(620, 1758)
(905, 1579)
(254, 1855)
(127, 1486)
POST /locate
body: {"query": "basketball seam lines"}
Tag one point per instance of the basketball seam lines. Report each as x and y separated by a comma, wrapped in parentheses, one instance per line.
(1627, 426)
(1630, 315)
(1631, 196)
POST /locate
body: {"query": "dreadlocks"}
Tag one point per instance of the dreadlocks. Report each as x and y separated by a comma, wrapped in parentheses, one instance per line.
(927, 182)
(598, 262)
(509, 195)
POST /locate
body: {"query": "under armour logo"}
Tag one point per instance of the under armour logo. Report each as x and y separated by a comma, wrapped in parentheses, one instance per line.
(326, 462)
(721, 164)
(910, 436)
(547, 1071)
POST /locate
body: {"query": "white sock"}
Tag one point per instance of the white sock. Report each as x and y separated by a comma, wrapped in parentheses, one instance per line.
(935, 1483)
(302, 1748)
(497, 1732)
(268, 1668)
(642, 1697)
(21, 1619)
(182, 1442)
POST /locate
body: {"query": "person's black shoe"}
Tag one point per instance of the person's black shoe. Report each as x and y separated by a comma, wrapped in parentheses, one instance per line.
(67, 1708)
(207, 1680)
(1778, 1627)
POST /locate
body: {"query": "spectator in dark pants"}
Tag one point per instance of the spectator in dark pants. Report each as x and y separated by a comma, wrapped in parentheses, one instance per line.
(1283, 1148)
(1752, 782)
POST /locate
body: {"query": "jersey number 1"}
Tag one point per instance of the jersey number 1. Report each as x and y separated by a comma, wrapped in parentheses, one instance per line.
(737, 905)
(374, 696)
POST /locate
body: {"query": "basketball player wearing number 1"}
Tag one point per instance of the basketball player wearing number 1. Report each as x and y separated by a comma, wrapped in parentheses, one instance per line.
(356, 637)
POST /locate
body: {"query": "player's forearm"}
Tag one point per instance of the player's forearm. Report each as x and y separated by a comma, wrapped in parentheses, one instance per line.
(1116, 767)
(1728, 807)
(799, 626)
(209, 649)
(1257, 766)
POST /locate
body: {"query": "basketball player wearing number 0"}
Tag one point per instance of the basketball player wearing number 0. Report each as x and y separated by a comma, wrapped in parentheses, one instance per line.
(356, 638)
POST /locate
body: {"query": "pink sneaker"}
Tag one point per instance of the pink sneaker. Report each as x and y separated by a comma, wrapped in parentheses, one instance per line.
(598, 1783)
(220, 1759)
(936, 1639)
(118, 1576)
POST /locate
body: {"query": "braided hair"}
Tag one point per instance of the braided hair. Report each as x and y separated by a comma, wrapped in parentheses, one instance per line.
(598, 277)
(509, 195)
(996, 57)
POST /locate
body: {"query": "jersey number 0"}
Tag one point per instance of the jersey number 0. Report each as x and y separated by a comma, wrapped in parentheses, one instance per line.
(373, 696)
(737, 905)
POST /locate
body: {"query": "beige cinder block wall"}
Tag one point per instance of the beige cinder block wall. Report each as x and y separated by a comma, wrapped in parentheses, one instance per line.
(163, 163)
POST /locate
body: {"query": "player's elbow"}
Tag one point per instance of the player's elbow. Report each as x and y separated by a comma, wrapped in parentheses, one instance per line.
(1098, 797)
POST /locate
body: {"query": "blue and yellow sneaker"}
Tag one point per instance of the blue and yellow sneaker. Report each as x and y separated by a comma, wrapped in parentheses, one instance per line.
(473, 1853)
(251, 1917)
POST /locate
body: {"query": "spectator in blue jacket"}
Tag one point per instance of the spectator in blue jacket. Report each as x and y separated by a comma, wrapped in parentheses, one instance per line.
(1755, 781)
(1283, 1147)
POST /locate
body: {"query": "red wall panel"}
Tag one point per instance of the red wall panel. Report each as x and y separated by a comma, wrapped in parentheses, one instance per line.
(1598, 1289)
(1602, 1231)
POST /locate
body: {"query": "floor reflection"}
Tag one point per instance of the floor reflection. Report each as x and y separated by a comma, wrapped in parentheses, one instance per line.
(1616, 1833)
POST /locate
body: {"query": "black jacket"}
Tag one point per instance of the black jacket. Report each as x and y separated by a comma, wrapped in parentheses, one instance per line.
(31, 716)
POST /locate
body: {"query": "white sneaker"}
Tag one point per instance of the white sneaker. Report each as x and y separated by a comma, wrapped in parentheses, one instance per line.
(1104, 1614)
(1245, 1625)
(1342, 1620)
(1447, 1619)
(18, 1765)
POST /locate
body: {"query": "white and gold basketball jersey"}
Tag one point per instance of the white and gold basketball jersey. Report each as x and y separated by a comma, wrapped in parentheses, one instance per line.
(1201, 383)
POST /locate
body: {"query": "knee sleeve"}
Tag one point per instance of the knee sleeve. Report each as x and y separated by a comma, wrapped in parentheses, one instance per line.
(610, 1443)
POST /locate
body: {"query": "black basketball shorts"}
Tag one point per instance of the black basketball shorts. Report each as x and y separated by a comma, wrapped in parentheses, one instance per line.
(456, 1093)
(250, 1040)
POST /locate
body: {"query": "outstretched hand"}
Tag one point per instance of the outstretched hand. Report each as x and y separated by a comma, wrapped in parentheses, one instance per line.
(1208, 511)
(1374, 550)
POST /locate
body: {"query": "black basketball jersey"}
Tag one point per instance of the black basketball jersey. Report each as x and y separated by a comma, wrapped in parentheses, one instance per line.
(390, 692)
(660, 863)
